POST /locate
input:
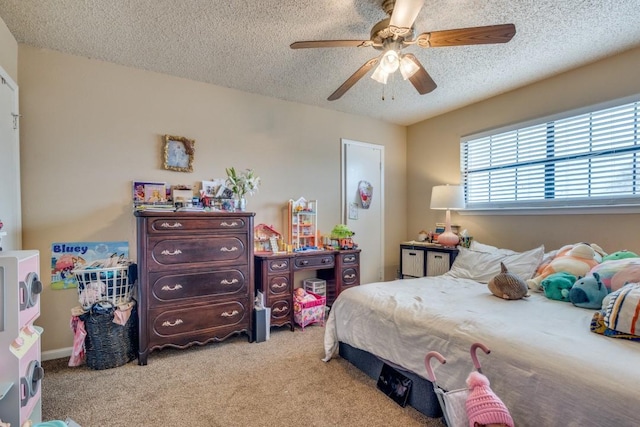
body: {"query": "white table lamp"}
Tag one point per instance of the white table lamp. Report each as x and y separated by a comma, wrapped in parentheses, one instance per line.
(447, 197)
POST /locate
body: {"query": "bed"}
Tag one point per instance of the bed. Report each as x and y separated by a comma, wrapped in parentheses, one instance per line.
(545, 363)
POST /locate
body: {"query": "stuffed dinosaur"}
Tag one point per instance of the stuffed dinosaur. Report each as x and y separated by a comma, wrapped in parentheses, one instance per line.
(588, 292)
(556, 286)
(623, 254)
(576, 259)
(507, 285)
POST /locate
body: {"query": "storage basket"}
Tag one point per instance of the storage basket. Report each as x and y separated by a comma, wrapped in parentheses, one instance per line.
(110, 284)
(308, 312)
(108, 344)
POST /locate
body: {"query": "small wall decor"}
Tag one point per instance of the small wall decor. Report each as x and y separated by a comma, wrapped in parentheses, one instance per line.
(178, 153)
(365, 189)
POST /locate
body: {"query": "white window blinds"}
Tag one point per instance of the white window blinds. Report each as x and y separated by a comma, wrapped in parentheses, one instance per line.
(590, 159)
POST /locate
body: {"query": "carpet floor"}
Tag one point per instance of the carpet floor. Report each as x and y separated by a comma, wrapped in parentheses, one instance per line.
(282, 381)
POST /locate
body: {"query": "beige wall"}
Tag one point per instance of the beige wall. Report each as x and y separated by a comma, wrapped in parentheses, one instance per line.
(90, 128)
(439, 138)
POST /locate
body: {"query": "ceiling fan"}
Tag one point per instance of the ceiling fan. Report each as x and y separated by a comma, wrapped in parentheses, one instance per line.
(396, 32)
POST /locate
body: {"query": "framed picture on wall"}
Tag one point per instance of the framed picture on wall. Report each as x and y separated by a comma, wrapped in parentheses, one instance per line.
(177, 153)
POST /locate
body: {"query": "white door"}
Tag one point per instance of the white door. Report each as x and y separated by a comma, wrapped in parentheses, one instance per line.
(363, 163)
(10, 212)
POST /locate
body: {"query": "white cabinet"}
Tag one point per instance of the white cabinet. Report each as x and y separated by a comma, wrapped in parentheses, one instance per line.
(20, 371)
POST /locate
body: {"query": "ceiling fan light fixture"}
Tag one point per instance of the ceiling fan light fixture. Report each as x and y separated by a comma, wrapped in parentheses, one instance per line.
(390, 61)
(407, 67)
(380, 75)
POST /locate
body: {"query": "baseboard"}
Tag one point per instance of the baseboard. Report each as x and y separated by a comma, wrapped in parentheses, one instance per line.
(57, 354)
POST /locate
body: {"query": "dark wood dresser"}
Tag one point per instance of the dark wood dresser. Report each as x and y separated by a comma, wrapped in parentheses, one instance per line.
(195, 278)
(275, 274)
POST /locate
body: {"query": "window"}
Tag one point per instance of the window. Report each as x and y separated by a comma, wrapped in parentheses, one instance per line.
(584, 159)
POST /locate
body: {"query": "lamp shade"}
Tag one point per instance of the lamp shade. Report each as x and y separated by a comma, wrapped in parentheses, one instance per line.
(447, 197)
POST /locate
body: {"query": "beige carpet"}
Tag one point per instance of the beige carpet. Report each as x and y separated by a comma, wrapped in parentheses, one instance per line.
(233, 383)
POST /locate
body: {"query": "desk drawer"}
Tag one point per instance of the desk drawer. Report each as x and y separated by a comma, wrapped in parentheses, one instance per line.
(314, 262)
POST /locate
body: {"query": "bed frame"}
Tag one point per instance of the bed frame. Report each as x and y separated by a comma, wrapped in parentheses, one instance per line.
(422, 396)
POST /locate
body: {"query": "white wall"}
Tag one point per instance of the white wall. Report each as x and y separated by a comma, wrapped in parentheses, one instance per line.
(90, 128)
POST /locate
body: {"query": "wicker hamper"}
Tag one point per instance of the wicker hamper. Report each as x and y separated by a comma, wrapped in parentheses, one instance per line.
(108, 344)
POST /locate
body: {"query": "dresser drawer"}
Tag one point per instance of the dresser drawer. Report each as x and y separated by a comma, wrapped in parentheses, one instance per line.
(191, 320)
(195, 225)
(279, 285)
(214, 250)
(314, 262)
(177, 287)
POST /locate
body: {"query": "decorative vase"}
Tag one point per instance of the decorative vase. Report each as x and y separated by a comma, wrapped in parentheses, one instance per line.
(240, 204)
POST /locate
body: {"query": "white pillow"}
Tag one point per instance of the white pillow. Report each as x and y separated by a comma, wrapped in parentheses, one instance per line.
(482, 266)
(482, 247)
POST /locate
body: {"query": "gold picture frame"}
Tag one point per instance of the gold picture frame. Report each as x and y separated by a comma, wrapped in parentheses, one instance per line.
(177, 153)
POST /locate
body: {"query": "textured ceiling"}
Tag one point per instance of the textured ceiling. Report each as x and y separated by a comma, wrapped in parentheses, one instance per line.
(244, 44)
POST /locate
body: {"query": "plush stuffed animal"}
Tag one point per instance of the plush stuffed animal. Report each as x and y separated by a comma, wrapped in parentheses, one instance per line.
(507, 285)
(576, 259)
(588, 292)
(624, 270)
(556, 286)
(623, 254)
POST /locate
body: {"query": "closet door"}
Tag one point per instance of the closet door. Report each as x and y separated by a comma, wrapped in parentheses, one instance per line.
(10, 211)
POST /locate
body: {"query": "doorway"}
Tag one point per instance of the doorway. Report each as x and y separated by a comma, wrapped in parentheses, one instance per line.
(363, 166)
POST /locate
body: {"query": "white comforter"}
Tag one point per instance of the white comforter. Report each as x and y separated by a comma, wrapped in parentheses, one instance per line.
(545, 363)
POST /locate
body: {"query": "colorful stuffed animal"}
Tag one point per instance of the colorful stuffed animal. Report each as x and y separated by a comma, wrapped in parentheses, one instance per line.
(576, 259)
(507, 285)
(556, 286)
(623, 254)
(588, 292)
(624, 270)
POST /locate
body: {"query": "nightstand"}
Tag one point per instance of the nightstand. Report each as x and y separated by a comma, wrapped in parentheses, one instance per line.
(419, 259)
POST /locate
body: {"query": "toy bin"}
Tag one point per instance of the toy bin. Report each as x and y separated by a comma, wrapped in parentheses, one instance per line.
(308, 312)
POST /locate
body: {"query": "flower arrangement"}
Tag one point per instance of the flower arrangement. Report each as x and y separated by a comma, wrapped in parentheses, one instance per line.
(242, 183)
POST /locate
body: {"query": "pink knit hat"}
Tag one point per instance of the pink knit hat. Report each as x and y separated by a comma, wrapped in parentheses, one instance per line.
(483, 406)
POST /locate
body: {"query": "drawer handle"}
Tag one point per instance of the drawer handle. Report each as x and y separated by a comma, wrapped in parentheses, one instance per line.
(229, 224)
(349, 258)
(172, 288)
(225, 249)
(280, 285)
(171, 253)
(304, 262)
(280, 309)
(281, 265)
(229, 282)
(230, 314)
(176, 323)
(174, 225)
(349, 276)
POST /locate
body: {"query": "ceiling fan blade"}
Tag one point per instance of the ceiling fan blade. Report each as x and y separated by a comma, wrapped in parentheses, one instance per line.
(467, 36)
(330, 43)
(353, 79)
(421, 80)
(405, 13)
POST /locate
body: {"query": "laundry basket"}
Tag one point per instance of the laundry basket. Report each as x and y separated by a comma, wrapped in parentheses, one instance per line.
(110, 284)
(109, 344)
